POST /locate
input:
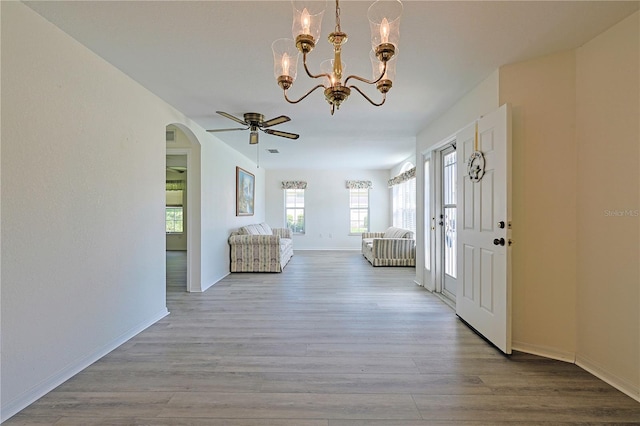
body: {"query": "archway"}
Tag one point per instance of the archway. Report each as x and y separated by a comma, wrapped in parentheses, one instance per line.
(184, 147)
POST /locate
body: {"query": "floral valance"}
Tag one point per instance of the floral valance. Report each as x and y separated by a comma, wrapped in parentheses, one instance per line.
(359, 184)
(403, 177)
(176, 185)
(294, 184)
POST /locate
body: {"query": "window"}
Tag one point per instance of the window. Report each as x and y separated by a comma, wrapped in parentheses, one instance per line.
(358, 210)
(173, 220)
(427, 217)
(449, 206)
(404, 199)
(294, 210)
(174, 211)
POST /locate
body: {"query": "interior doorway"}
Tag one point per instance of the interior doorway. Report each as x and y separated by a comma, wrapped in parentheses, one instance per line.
(184, 172)
(176, 223)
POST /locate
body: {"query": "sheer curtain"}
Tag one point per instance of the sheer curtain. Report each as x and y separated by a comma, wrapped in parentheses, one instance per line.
(404, 198)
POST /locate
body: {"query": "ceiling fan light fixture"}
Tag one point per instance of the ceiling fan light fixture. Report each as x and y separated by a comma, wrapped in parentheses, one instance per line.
(253, 137)
(384, 22)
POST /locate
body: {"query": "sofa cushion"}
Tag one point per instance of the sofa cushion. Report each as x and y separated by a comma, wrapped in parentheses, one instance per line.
(393, 232)
(257, 229)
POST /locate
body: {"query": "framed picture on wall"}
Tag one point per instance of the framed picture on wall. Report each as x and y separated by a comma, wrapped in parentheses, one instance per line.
(245, 192)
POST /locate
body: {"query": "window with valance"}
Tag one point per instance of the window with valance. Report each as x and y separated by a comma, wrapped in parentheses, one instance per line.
(404, 198)
(293, 184)
(358, 205)
(294, 213)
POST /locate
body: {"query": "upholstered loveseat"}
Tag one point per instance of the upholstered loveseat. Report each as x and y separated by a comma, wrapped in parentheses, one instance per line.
(393, 247)
(259, 248)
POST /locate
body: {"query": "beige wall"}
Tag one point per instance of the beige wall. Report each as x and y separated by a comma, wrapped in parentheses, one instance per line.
(576, 197)
(542, 95)
(608, 135)
(576, 194)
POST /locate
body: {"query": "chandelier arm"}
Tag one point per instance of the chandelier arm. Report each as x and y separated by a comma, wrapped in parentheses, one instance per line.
(384, 96)
(304, 62)
(303, 96)
(364, 80)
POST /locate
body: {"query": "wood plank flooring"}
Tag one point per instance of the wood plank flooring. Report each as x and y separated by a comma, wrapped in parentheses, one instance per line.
(331, 341)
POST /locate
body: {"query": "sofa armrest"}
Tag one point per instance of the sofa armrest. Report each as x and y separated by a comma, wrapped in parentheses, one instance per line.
(394, 248)
(372, 235)
(254, 239)
(282, 232)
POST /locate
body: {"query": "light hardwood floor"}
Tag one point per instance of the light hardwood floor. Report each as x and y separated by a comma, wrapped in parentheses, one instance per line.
(331, 341)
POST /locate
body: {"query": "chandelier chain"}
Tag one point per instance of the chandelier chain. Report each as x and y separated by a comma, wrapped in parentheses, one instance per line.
(338, 30)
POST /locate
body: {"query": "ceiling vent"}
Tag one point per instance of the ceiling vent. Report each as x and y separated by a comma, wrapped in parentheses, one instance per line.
(273, 151)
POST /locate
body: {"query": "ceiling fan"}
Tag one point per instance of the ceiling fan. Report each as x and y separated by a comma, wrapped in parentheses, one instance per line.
(255, 121)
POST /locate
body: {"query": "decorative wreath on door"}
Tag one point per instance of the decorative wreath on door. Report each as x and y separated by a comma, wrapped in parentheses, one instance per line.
(475, 163)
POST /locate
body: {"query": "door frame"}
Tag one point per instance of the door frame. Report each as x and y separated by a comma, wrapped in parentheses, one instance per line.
(444, 151)
(434, 192)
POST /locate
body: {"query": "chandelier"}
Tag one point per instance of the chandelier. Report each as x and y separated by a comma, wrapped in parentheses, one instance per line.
(384, 21)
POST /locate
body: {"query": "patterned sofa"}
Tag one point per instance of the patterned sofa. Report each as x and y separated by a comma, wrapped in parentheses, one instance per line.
(258, 248)
(393, 247)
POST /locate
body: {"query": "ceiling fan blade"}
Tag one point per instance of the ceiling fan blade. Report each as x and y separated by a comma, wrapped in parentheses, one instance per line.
(231, 117)
(274, 121)
(226, 130)
(282, 134)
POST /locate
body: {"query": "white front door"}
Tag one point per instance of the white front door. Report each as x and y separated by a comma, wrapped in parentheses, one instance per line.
(483, 299)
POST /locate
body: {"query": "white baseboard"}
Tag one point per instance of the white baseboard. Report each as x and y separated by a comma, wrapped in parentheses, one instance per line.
(22, 401)
(602, 373)
(544, 351)
(583, 362)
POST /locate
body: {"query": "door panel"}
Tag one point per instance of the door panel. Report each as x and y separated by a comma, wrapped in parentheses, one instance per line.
(484, 267)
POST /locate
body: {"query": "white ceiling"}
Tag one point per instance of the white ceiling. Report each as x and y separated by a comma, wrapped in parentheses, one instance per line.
(216, 55)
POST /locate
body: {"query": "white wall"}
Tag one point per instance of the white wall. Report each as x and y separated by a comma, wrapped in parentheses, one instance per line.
(218, 195)
(327, 206)
(608, 162)
(82, 231)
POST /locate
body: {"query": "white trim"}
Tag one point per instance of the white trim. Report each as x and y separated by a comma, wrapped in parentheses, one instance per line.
(623, 385)
(27, 398)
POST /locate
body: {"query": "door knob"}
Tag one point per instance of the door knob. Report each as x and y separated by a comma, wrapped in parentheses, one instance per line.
(499, 242)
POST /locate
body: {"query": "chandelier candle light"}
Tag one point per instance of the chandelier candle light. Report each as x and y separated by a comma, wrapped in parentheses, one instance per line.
(384, 20)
